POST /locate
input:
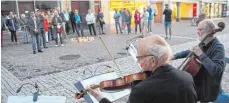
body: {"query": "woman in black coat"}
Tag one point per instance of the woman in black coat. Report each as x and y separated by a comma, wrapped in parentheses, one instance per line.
(73, 21)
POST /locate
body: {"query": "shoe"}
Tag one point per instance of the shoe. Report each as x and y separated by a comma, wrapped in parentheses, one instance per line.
(40, 51)
(56, 45)
(166, 37)
(121, 32)
(34, 52)
(103, 33)
(17, 42)
(62, 44)
(46, 47)
(12, 43)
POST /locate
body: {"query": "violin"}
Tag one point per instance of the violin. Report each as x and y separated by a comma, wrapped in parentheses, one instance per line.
(191, 64)
(121, 83)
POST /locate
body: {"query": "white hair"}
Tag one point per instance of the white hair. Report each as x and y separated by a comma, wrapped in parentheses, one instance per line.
(22, 15)
(209, 25)
(163, 53)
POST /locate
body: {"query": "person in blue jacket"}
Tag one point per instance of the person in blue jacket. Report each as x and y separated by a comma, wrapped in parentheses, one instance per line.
(149, 10)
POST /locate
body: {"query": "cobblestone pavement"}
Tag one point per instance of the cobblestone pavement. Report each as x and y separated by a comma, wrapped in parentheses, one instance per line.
(58, 68)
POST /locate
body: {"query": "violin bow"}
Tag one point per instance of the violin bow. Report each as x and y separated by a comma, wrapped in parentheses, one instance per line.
(111, 56)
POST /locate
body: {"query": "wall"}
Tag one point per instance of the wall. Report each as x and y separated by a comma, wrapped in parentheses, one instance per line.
(157, 19)
(186, 10)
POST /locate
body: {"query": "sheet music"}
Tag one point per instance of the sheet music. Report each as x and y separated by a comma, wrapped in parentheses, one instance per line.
(111, 95)
(133, 52)
(41, 99)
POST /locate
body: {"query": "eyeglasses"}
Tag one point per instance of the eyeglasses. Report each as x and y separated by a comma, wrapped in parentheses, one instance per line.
(139, 57)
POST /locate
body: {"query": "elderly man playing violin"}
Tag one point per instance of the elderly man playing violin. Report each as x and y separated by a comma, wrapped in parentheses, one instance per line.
(211, 54)
(165, 84)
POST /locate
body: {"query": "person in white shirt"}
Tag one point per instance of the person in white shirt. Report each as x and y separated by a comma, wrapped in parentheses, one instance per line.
(144, 17)
(90, 18)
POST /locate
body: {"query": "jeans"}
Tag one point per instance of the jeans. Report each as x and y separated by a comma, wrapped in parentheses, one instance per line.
(43, 37)
(36, 42)
(2, 38)
(67, 28)
(136, 27)
(92, 26)
(117, 25)
(25, 36)
(73, 26)
(50, 33)
(13, 36)
(58, 36)
(128, 27)
(80, 27)
(101, 27)
(149, 26)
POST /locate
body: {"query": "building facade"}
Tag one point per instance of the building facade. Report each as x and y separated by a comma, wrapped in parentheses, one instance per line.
(182, 9)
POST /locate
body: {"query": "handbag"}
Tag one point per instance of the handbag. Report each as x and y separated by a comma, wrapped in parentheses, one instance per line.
(101, 20)
(58, 29)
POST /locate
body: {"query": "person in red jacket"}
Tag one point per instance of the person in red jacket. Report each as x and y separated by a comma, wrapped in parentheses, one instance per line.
(137, 20)
(46, 27)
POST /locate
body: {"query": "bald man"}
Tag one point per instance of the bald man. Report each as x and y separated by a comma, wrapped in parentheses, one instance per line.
(211, 54)
(165, 84)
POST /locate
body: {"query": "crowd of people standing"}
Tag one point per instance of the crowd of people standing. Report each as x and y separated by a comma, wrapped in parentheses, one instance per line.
(143, 20)
(44, 26)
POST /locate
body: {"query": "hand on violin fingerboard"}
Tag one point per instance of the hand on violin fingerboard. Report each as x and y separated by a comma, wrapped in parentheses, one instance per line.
(96, 93)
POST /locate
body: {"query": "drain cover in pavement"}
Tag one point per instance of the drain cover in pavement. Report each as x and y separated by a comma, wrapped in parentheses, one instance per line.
(69, 57)
(36, 70)
(121, 53)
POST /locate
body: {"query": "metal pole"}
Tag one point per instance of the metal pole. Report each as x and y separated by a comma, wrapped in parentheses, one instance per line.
(17, 8)
(34, 5)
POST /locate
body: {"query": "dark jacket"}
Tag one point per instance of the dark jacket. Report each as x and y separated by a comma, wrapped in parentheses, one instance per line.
(72, 17)
(100, 17)
(165, 85)
(12, 26)
(31, 25)
(208, 79)
(3, 22)
(56, 20)
(23, 23)
(168, 14)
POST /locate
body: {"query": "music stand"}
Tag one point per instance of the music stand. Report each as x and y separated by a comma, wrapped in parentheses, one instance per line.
(111, 95)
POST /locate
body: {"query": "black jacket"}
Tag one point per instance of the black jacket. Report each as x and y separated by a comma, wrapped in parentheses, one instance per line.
(168, 14)
(72, 17)
(208, 79)
(165, 85)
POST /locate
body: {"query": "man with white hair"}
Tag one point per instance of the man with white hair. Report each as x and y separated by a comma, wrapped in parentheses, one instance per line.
(211, 54)
(165, 84)
(23, 23)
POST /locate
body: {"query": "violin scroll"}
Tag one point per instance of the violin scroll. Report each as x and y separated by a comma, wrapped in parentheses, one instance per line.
(221, 26)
